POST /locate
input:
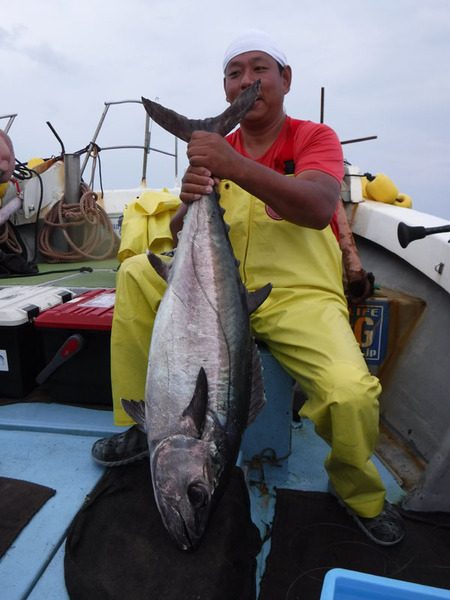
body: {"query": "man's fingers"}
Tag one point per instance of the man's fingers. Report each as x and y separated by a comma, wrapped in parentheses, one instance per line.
(191, 192)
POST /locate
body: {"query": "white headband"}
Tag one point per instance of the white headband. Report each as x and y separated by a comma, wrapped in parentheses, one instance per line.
(254, 40)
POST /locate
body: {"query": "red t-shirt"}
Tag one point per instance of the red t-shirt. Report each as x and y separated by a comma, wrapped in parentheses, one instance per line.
(301, 146)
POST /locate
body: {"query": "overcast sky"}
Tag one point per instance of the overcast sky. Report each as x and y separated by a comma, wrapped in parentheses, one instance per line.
(384, 64)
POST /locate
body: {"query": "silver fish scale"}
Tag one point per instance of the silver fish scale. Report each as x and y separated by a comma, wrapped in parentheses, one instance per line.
(202, 321)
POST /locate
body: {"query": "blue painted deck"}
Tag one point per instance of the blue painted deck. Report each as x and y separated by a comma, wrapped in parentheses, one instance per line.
(50, 444)
(47, 444)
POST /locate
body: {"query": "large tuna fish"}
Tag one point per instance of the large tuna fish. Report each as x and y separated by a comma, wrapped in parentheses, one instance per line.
(204, 380)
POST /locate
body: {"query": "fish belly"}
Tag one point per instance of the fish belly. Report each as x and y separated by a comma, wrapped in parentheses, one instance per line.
(201, 322)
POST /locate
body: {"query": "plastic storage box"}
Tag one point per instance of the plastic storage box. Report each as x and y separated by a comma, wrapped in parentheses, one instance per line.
(20, 354)
(76, 341)
(343, 584)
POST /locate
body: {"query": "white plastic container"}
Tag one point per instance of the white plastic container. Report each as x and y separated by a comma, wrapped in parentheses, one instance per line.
(21, 356)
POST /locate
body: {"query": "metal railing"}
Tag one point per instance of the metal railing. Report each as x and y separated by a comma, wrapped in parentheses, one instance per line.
(10, 118)
(146, 147)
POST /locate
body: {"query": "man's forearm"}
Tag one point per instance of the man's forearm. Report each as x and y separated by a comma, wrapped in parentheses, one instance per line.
(308, 199)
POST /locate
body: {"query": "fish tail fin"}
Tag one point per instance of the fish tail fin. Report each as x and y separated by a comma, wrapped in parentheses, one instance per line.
(169, 120)
(182, 127)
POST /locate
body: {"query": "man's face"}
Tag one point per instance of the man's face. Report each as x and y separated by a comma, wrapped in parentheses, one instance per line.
(245, 69)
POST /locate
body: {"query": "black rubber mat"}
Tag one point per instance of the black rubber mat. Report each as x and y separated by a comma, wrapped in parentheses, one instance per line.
(118, 548)
(312, 534)
(19, 502)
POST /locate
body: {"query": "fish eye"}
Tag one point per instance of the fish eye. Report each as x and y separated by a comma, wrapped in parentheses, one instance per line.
(198, 495)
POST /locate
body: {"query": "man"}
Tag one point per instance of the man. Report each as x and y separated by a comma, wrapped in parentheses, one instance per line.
(7, 159)
(283, 232)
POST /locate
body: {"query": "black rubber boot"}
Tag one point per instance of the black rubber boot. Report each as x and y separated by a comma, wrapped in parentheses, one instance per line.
(121, 449)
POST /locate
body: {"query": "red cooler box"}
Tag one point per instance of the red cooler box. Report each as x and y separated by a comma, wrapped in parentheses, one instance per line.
(76, 340)
(21, 356)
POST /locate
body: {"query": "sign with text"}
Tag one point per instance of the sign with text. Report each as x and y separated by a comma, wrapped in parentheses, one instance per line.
(370, 323)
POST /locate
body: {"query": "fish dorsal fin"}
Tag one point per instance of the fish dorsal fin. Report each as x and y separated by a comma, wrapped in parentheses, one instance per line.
(258, 397)
(135, 410)
(255, 299)
(160, 266)
(193, 417)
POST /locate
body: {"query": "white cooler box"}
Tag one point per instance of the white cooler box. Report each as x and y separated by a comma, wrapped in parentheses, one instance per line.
(21, 357)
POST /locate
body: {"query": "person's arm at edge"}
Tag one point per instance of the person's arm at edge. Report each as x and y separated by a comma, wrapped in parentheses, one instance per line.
(7, 158)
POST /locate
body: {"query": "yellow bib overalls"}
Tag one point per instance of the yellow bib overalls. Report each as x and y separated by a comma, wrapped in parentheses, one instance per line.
(304, 322)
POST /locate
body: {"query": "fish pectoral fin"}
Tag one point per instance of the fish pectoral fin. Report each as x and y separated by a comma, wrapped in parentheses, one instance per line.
(258, 397)
(160, 266)
(193, 417)
(135, 410)
(255, 299)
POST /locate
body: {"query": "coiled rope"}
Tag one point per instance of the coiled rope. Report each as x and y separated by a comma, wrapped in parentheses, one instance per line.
(8, 239)
(84, 226)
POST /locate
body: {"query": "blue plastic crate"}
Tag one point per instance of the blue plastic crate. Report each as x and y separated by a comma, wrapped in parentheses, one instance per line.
(343, 584)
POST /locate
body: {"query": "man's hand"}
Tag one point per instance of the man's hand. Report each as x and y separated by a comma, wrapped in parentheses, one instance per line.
(197, 182)
(213, 152)
(210, 158)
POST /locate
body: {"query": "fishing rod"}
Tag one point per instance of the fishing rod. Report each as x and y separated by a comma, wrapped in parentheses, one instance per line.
(409, 233)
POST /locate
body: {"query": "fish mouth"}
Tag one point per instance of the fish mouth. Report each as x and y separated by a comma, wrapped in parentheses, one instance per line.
(185, 540)
(188, 533)
(191, 544)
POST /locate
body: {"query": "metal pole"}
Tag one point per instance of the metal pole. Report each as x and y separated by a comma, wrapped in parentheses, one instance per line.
(10, 121)
(146, 149)
(92, 143)
(363, 139)
(72, 178)
(176, 160)
(322, 104)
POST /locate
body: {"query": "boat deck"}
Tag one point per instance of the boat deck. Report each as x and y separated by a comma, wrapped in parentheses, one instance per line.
(50, 444)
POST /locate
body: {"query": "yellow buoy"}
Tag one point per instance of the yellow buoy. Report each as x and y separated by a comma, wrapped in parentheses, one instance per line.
(364, 182)
(34, 162)
(3, 188)
(380, 188)
(403, 200)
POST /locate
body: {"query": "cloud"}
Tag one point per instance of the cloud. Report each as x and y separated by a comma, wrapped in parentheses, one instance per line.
(42, 53)
(382, 63)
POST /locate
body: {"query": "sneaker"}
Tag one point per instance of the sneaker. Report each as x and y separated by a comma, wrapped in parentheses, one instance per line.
(121, 449)
(385, 529)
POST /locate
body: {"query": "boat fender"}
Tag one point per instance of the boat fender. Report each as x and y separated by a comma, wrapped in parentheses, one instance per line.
(403, 200)
(381, 188)
(3, 189)
(34, 162)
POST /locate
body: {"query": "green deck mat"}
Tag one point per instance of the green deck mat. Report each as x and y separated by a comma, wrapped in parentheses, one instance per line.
(103, 275)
